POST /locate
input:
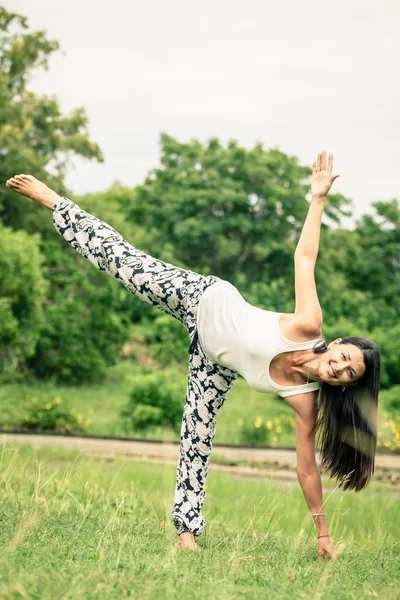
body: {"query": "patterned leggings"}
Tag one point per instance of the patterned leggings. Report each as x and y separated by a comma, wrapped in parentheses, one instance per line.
(176, 292)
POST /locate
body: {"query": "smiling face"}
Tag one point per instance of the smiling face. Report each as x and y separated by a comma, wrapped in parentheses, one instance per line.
(341, 364)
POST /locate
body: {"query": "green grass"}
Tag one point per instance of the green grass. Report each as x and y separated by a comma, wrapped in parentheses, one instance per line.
(78, 527)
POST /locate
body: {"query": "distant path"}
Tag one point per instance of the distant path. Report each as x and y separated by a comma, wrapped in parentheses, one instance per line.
(168, 452)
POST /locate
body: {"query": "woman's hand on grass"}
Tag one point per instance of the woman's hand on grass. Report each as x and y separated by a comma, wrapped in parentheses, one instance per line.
(322, 178)
(326, 548)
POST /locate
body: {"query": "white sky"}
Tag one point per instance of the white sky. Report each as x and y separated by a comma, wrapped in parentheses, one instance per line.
(300, 76)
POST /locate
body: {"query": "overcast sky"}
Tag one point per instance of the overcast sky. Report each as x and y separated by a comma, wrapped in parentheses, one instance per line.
(300, 76)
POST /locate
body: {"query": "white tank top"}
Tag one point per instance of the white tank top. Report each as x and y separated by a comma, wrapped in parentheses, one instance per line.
(245, 338)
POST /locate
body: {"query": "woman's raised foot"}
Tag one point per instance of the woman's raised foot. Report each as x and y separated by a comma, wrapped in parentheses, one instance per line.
(29, 186)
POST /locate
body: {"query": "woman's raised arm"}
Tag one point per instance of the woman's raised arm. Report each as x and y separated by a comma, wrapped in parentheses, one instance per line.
(308, 309)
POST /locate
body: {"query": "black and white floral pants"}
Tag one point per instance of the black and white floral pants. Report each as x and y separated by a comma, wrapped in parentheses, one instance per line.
(176, 292)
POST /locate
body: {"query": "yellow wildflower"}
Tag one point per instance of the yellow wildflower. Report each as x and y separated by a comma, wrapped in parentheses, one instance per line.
(269, 424)
(57, 400)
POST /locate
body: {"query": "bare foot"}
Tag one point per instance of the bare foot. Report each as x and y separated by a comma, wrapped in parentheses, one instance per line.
(186, 540)
(29, 186)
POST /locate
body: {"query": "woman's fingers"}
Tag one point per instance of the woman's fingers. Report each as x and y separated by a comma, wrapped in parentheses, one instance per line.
(323, 161)
(321, 165)
(330, 163)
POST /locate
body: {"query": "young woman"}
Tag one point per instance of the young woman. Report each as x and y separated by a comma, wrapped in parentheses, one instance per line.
(332, 388)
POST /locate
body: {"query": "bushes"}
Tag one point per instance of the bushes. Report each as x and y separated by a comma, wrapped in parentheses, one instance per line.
(52, 417)
(156, 399)
(81, 331)
(167, 339)
(391, 399)
(22, 293)
(265, 432)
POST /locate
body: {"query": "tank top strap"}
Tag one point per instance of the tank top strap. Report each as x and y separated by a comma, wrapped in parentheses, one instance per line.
(299, 389)
(296, 345)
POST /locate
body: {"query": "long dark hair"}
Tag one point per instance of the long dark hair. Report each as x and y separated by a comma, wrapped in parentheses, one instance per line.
(347, 421)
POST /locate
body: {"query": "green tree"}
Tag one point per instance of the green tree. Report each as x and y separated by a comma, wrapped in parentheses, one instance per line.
(72, 328)
(35, 137)
(227, 211)
(23, 290)
(377, 267)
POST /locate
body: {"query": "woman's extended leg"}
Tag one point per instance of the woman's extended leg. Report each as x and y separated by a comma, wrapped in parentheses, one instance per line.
(208, 386)
(161, 284)
(175, 291)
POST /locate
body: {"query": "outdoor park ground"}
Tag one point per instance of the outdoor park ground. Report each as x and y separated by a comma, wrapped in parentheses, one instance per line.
(74, 526)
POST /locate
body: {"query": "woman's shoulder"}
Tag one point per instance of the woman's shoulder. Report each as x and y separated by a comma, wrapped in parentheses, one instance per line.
(296, 329)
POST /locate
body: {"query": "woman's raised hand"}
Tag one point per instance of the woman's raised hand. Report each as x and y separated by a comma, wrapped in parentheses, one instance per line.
(322, 177)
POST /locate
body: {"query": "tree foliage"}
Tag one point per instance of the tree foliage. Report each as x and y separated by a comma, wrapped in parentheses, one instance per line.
(226, 210)
(69, 329)
(23, 289)
(35, 137)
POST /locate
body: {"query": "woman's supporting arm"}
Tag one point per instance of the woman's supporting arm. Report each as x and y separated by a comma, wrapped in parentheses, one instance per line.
(307, 468)
(311, 485)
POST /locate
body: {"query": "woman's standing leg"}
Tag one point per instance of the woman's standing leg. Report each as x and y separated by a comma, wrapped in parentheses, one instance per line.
(208, 386)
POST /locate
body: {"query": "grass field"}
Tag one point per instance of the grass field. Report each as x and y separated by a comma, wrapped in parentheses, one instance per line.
(78, 527)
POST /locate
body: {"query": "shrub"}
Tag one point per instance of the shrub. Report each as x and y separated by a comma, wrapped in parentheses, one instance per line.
(156, 399)
(389, 432)
(391, 399)
(265, 432)
(167, 340)
(22, 292)
(52, 417)
(81, 330)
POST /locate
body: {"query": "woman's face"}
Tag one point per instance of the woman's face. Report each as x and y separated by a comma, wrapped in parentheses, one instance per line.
(342, 364)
